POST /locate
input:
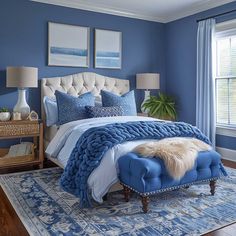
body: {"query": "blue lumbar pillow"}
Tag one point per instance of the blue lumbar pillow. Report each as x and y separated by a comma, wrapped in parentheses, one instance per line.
(126, 101)
(98, 111)
(72, 108)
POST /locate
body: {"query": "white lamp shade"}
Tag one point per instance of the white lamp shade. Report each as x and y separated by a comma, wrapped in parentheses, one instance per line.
(22, 77)
(148, 81)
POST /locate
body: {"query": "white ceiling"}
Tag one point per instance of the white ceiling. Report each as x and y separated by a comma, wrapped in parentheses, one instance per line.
(153, 10)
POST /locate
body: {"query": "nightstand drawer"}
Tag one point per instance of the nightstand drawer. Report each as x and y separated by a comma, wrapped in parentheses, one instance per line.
(18, 128)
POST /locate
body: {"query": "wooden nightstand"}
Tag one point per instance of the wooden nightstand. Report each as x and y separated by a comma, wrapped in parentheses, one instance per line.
(22, 129)
(143, 114)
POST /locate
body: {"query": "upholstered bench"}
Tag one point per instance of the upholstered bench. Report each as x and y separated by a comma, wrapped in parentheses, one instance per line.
(148, 176)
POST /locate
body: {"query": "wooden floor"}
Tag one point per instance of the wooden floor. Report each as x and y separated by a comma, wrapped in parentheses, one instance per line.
(10, 224)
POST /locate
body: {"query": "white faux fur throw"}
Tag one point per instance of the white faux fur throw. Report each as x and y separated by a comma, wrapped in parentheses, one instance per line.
(178, 154)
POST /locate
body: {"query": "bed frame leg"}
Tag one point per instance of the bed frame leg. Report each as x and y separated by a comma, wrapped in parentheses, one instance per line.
(126, 193)
(213, 187)
(145, 201)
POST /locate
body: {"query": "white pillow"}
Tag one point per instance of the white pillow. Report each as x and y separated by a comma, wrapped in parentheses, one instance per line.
(51, 111)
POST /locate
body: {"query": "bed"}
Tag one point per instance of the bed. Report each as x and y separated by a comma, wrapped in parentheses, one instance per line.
(60, 142)
(76, 85)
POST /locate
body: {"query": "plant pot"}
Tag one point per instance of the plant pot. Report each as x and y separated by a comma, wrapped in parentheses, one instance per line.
(5, 116)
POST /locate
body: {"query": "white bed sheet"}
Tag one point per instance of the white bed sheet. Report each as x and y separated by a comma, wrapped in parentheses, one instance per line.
(106, 174)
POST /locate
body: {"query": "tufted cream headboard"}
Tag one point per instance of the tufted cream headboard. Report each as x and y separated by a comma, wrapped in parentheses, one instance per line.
(80, 83)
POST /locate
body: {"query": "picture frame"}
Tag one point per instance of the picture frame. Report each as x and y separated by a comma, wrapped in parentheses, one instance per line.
(68, 45)
(108, 49)
(33, 116)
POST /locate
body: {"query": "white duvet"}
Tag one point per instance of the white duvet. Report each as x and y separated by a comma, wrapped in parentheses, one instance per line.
(106, 174)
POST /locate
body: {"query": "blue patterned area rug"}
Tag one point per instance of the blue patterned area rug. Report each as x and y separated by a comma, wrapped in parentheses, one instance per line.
(45, 209)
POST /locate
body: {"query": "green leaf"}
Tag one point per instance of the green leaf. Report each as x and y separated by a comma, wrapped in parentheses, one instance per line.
(161, 106)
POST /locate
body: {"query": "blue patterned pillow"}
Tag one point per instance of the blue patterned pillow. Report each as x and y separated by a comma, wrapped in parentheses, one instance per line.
(126, 101)
(72, 108)
(97, 111)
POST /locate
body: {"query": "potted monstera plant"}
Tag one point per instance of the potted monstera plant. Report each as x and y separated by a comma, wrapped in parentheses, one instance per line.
(161, 107)
(5, 115)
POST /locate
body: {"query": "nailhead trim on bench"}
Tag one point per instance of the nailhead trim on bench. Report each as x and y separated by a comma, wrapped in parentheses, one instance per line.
(170, 188)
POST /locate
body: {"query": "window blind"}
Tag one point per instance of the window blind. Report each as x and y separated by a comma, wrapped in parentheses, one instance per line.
(226, 80)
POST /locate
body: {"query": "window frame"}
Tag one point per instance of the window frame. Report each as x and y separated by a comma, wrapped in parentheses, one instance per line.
(222, 128)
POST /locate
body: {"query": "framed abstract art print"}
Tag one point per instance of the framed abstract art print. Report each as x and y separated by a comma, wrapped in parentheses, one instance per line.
(68, 45)
(108, 49)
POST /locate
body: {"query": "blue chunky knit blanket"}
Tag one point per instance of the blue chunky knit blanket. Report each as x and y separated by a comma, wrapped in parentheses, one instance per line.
(93, 144)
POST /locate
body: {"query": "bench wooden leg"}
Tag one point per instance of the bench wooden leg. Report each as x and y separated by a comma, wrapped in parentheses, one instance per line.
(145, 201)
(213, 187)
(126, 193)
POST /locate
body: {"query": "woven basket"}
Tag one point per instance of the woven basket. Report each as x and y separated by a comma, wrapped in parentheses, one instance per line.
(17, 129)
(5, 161)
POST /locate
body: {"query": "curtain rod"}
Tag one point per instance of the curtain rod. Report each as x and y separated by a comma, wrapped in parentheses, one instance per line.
(221, 14)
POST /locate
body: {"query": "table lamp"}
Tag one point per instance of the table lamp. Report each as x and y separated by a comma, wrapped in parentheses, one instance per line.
(22, 78)
(147, 81)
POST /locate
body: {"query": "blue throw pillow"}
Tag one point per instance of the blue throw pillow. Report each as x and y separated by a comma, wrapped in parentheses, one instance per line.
(72, 108)
(51, 112)
(97, 111)
(126, 101)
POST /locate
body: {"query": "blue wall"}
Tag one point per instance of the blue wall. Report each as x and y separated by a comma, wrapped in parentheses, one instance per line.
(181, 41)
(169, 49)
(23, 41)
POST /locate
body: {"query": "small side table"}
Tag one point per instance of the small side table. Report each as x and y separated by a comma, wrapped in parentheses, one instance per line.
(143, 114)
(22, 129)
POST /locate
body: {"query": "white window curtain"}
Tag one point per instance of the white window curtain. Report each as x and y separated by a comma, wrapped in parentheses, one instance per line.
(205, 96)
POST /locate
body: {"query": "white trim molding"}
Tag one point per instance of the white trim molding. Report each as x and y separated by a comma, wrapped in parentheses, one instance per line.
(165, 17)
(226, 25)
(227, 154)
(226, 131)
(196, 8)
(102, 9)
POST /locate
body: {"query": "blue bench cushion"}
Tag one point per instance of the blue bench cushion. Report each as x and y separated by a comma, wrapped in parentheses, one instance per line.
(146, 175)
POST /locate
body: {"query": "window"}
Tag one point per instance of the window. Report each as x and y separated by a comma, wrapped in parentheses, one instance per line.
(226, 80)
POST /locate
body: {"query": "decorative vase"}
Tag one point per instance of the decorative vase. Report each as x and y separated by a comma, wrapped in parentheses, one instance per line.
(5, 116)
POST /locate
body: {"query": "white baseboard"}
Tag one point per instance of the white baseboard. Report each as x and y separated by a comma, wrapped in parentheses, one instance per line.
(227, 154)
